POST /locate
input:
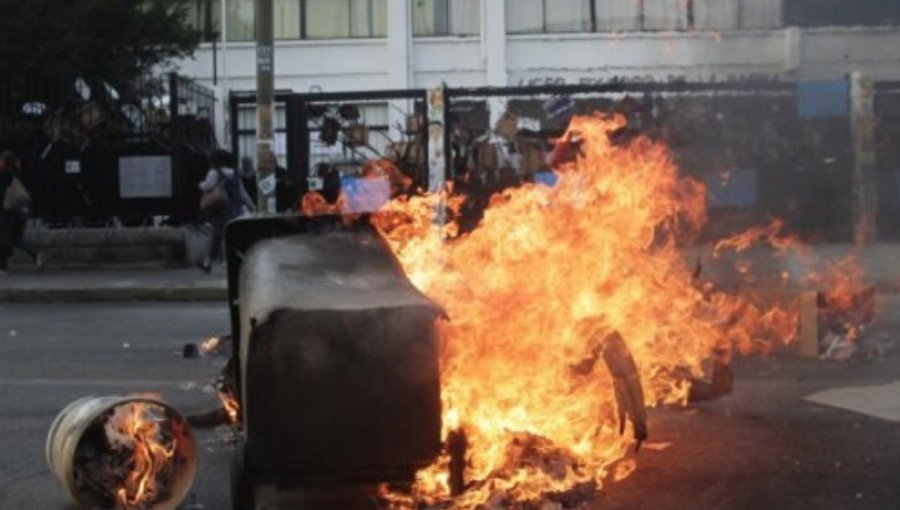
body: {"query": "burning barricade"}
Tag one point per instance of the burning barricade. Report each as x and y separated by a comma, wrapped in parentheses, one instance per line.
(551, 281)
(841, 304)
(122, 453)
(554, 282)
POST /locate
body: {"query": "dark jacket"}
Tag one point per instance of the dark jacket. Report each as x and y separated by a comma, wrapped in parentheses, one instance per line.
(6, 178)
(7, 220)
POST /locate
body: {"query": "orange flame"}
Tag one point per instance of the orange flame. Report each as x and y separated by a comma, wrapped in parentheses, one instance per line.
(209, 345)
(596, 252)
(231, 406)
(847, 300)
(136, 428)
(771, 233)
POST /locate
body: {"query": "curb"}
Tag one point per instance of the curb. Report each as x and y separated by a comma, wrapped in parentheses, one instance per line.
(113, 295)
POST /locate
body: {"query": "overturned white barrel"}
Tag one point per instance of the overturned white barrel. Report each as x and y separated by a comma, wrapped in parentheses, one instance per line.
(119, 453)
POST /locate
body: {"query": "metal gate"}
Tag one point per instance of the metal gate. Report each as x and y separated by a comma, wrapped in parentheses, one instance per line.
(92, 153)
(323, 140)
(749, 142)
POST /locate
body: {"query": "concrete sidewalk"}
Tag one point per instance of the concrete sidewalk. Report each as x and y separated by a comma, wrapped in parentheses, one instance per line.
(113, 285)
(879, 264)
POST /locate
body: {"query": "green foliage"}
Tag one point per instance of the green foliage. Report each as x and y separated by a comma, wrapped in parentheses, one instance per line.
(56, 41)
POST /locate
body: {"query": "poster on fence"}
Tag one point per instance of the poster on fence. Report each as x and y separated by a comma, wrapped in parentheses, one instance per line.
(145, 177)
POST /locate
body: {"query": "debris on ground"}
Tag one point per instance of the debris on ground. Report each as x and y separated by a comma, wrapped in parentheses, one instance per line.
(190, 351)
(837, 347)
(719, 384)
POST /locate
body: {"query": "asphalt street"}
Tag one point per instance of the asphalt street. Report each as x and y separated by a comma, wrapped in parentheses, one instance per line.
(761, 447)
(51, 355)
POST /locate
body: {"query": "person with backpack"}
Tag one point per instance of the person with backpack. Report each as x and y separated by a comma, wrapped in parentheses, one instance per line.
(224, 199)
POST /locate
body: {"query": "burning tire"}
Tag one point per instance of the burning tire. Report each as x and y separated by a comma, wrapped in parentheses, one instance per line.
(122, 453)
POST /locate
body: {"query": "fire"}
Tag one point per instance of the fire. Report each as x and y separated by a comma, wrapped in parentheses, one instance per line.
(209, 345)
(771, 233)
(231, 406)
(533, 291)
(846, 301)
(136, 428)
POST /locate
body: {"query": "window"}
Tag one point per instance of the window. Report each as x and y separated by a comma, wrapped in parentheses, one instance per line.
(761, 14)
(331, 19)
(811, 13)
(618, 15)
(665, 15)
(717, 14)
(446, 17)
(297, 19)
(204, 15)
(287, 19)
(240, 19)
(327, 19)
(545, 16)
(246, 134)
(524, 16)
(374, 115)
(567, 16)
(536, 16)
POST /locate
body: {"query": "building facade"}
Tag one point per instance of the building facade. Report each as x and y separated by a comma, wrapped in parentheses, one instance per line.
(339, 45)
(371, 45)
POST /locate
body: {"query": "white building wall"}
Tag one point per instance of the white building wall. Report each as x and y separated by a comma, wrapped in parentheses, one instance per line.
(496, 58)
(343, 65)
(456, 61)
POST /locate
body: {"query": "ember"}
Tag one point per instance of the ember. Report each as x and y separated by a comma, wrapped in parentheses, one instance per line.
(211, 345)
(231, 406)
(532, 294)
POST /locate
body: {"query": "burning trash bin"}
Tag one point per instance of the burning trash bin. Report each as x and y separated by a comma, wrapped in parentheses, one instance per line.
(337, 358)
(122, 453)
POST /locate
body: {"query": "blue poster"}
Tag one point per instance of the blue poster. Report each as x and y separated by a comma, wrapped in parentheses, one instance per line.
(817, 99)
(735, 188)
(365, 195)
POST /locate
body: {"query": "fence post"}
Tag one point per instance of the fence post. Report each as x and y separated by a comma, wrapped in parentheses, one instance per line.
(865, 159)
(437, 159)
(265, 107)
(178, 175)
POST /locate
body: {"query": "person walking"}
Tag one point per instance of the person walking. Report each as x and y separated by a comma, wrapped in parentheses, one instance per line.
(22, 212)
(224, 199)
(6, 218)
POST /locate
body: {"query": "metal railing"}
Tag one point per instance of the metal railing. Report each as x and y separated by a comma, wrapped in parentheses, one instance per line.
(71, 137)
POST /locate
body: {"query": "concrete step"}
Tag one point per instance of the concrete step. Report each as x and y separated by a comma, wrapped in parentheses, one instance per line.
(97, 248)
(167, 285)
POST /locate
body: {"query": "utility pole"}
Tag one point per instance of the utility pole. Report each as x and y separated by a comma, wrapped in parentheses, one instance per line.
(864, 180)
(265, 107)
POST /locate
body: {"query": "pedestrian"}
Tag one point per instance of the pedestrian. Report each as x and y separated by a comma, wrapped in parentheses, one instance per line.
(22, 211)
(6, 219)
(224, 199)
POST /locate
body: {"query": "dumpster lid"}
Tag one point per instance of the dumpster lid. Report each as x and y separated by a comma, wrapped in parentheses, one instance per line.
(336, 270)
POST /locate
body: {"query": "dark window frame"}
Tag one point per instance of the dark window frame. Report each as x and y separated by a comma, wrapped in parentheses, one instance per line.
(442, 21)
(593, 21)
(210, 26)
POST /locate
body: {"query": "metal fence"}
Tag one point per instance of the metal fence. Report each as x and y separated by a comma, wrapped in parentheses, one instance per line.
(93, 152)
(323, 140)
(764, 149)
(887, 139)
